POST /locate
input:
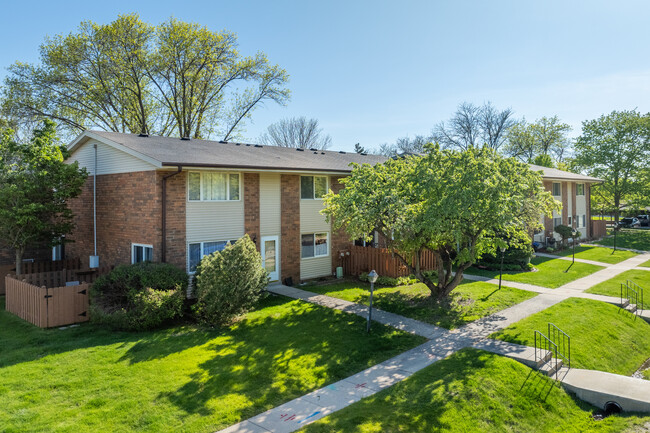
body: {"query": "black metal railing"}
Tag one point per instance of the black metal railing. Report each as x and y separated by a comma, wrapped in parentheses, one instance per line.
(545, 350)
(562, 343)
(640, 305)
(630, 295)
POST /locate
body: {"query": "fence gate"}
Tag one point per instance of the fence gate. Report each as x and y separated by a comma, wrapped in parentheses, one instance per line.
(66, 305)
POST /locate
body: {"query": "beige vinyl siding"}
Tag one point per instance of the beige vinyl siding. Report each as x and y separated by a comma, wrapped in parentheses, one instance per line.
(270, 210)
(214, 221)
(570, 210)
(315, 267)
(109, 159)
(311, 220)
(581, 209)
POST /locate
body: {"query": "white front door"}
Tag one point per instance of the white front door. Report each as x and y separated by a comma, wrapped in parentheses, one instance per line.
(271, 257)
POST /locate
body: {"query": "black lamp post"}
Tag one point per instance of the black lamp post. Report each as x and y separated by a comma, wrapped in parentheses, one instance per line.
(574, 233)
(503, 253)
(372, 277)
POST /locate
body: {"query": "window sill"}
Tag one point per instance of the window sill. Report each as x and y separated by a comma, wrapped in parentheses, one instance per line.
(314, 257)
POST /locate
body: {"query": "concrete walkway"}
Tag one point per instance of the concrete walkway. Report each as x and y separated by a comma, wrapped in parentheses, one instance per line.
(618, 248)
(570, 258)
(593, 385)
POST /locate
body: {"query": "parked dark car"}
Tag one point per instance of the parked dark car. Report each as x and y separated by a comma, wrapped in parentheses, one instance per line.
(629, 222)
(644, 220)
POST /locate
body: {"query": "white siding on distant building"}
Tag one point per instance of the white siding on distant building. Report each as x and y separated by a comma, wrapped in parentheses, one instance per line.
(109, 159)
(270, 204)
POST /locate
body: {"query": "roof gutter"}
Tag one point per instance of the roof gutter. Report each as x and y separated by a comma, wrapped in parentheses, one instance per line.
(255, 167)
(163, 257)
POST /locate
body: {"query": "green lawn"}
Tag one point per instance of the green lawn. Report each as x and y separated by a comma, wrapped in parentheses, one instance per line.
(472, 391)
(635, 239)
(646, 264)
(180, 379)
(603, 336)
(612, 287)
(469, 301)
(598, 254)
(550, 272)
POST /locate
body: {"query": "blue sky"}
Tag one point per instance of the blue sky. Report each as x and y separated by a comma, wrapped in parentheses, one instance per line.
(371, 72)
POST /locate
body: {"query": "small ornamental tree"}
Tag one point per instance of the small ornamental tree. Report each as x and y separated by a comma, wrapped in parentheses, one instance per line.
(458, 205)
(229, 282)
(35, 184)
(565, 232)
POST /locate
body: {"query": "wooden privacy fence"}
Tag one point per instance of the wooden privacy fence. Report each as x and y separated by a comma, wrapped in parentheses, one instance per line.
(37, 267)
(598, 229)
(60, 278)
(47, 307)
(357, 260)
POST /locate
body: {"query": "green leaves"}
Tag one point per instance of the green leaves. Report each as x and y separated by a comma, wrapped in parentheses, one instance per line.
(459, 205)
(36, 184)
(176, 78)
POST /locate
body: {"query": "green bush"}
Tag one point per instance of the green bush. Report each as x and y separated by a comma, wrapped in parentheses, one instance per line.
(229, 283)
(515, 258)
(138, 297)
(564, 231)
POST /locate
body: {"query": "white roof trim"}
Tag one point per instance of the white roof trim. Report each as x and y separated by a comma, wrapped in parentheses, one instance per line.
(80, 140)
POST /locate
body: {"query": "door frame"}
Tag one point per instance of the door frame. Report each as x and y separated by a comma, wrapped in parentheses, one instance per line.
(275, 238)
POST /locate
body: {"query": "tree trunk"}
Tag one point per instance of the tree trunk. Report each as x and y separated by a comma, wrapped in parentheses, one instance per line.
(19, 260)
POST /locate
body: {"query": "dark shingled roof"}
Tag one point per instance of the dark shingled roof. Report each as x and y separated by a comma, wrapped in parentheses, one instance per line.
(171, 151)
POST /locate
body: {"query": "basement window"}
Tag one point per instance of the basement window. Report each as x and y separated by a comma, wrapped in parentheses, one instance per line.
(313, 187)
(213, 186)
(314, 245)
(141, 253)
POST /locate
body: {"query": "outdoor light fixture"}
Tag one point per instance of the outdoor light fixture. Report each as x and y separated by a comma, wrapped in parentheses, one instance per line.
(503, 253)
(574, 233)
(372, 277)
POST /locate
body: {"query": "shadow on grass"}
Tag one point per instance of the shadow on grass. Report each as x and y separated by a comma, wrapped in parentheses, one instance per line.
(537, 385)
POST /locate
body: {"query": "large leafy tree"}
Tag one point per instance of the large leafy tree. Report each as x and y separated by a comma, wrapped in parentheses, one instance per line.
(175, 78)
(542, 142)
(616, 148)
(36, 185)
(458, 205)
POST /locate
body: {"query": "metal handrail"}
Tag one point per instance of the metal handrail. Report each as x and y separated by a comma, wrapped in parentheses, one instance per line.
(563, 345)
(639, 290)
(631, 295)
(544, 346)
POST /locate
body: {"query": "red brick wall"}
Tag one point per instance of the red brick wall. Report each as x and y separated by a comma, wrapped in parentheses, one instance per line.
(290, 227)
(339, 238)
(252, 207)
(588, 206)
(129, 211)
(176, 223)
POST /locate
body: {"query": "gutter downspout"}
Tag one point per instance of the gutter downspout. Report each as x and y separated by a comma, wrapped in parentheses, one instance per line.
(95, 201)
(163, 256)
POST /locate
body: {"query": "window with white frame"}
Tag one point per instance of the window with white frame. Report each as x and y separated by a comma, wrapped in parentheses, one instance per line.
(314, 245)
(198, 250)
(580, 189)
(141, 253)
(212, 186)
(313, 187)
(557, 189)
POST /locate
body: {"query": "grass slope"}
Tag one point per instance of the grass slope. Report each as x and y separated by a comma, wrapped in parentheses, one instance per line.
(550, 272)
(635, 239)
(603, 336)
(471, 391)
(598, 254)
(646, 264)
(180, 379)
(468, 302)
(612, 287)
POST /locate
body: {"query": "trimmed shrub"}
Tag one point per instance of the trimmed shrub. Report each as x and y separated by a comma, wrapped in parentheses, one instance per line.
(565, 232)
(229, 283)
(138, 297)
(390, 281)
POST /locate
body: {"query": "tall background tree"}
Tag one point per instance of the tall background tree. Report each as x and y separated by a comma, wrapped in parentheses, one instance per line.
(405, 146)
(297, 132)
(36, 185)
(175, 78)
(544, 142)
(475, 126)
(616, 148)
(458, 205)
